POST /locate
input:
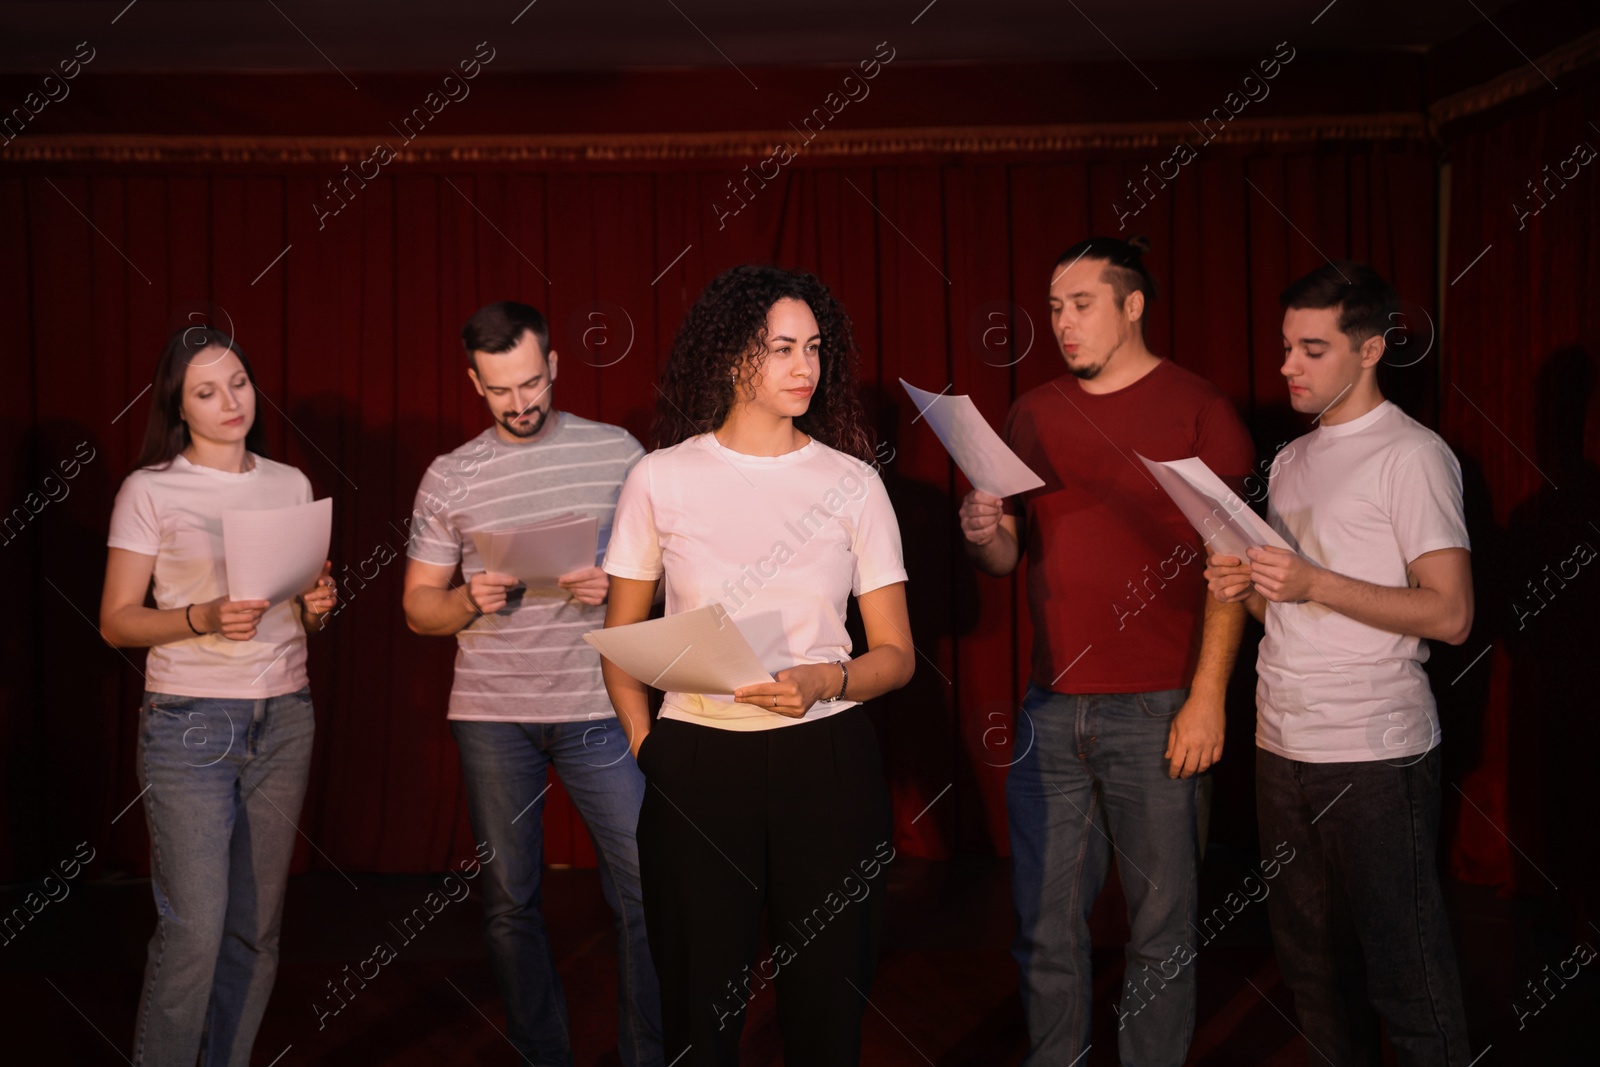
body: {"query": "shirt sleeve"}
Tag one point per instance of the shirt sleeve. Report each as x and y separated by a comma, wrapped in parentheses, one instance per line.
(876, 545)
(135, 526)
(635, 451)
(634, 550)
(1225, 444)
(1424, 500)
(434, 538)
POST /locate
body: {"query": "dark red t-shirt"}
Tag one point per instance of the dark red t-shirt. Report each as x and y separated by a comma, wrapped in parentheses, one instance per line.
(1115, 582)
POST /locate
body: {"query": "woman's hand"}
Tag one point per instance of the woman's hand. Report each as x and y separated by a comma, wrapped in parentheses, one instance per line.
(234, 619)
(317, 601)
(794, 691)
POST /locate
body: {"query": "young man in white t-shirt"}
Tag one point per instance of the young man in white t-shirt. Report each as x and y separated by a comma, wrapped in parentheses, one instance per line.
(527, 693)
(1347, 761)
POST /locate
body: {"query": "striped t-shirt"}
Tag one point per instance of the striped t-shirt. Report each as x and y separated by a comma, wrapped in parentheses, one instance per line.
(527, 662)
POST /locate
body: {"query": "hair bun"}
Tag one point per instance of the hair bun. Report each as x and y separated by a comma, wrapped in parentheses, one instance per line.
(1140, 244)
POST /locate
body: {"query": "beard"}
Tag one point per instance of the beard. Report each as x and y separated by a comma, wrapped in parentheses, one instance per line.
(1086, 371)
(540, 416)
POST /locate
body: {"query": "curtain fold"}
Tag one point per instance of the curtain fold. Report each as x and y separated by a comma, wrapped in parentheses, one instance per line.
(1517, 399)
(352, 320)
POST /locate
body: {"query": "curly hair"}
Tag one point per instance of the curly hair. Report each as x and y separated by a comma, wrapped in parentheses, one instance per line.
(729, 322)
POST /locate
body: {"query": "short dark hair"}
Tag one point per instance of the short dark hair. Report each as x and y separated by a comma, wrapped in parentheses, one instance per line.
(1367, 304)
(499, 326)
(1124, 264)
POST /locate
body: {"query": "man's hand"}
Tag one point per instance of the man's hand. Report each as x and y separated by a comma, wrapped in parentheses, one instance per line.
(1282, 576)
(980, 517)
(487, 590)
(1194, 742)
(1228, 578)
(588, 586)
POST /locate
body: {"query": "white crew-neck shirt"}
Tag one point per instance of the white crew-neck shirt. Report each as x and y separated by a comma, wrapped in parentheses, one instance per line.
(1363, 499)
(175, 515)
(781, 542)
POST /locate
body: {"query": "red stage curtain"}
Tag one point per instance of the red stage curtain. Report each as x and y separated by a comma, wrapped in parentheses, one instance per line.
(943, 265)
(1521, 335)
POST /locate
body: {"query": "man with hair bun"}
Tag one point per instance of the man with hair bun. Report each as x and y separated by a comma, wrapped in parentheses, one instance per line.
(1124, 713)
(1347, 735)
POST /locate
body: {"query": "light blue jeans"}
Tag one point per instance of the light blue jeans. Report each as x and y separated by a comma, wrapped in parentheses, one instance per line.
(1092, 783)
(506, 767)
(223, 783)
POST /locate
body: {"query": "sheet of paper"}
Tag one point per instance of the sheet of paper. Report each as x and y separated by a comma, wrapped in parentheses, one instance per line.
(276, 553)
(493, 544)
(980, 453)
(699, 651)
(1224, 521)
(541, 552)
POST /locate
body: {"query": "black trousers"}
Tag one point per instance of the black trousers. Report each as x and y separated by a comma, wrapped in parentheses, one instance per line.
(796, 820)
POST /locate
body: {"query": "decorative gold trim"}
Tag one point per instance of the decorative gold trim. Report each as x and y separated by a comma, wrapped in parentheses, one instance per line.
(1518, 82)
(690, 147)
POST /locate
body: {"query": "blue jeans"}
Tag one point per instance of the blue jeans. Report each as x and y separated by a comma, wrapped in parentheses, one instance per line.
(1358, 919)
(223, 782)
(505, 765)
(1092, 781)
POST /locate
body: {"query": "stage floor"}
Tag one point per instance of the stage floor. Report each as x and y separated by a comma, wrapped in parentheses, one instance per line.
(945, 993)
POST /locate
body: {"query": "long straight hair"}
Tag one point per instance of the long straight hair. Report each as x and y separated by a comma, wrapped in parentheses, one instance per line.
(167, 434)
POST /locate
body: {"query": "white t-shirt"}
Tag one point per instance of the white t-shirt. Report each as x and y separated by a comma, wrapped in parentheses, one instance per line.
(175, 515)
(780, 541)
(1363, 499)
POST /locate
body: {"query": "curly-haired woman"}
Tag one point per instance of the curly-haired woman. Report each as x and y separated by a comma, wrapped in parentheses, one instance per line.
(761, 498)
(226, 722)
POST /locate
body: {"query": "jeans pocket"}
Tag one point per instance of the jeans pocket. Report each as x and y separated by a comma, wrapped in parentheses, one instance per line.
(171, 704)
(1162, 704)
(1034, 698)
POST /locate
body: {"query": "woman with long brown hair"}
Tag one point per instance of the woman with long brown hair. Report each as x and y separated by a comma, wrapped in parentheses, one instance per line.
(226, 721)
(761, 498)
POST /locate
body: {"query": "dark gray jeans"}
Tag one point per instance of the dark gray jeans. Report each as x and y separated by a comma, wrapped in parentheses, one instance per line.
(1358, 921)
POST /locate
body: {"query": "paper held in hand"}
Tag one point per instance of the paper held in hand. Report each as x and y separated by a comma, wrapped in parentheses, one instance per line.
(541, 552)
(1224, 521)
(699, 651)
(276, 553)
(986, 461)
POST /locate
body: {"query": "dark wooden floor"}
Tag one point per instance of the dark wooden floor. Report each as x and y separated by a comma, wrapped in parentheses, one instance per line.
(945, 994)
